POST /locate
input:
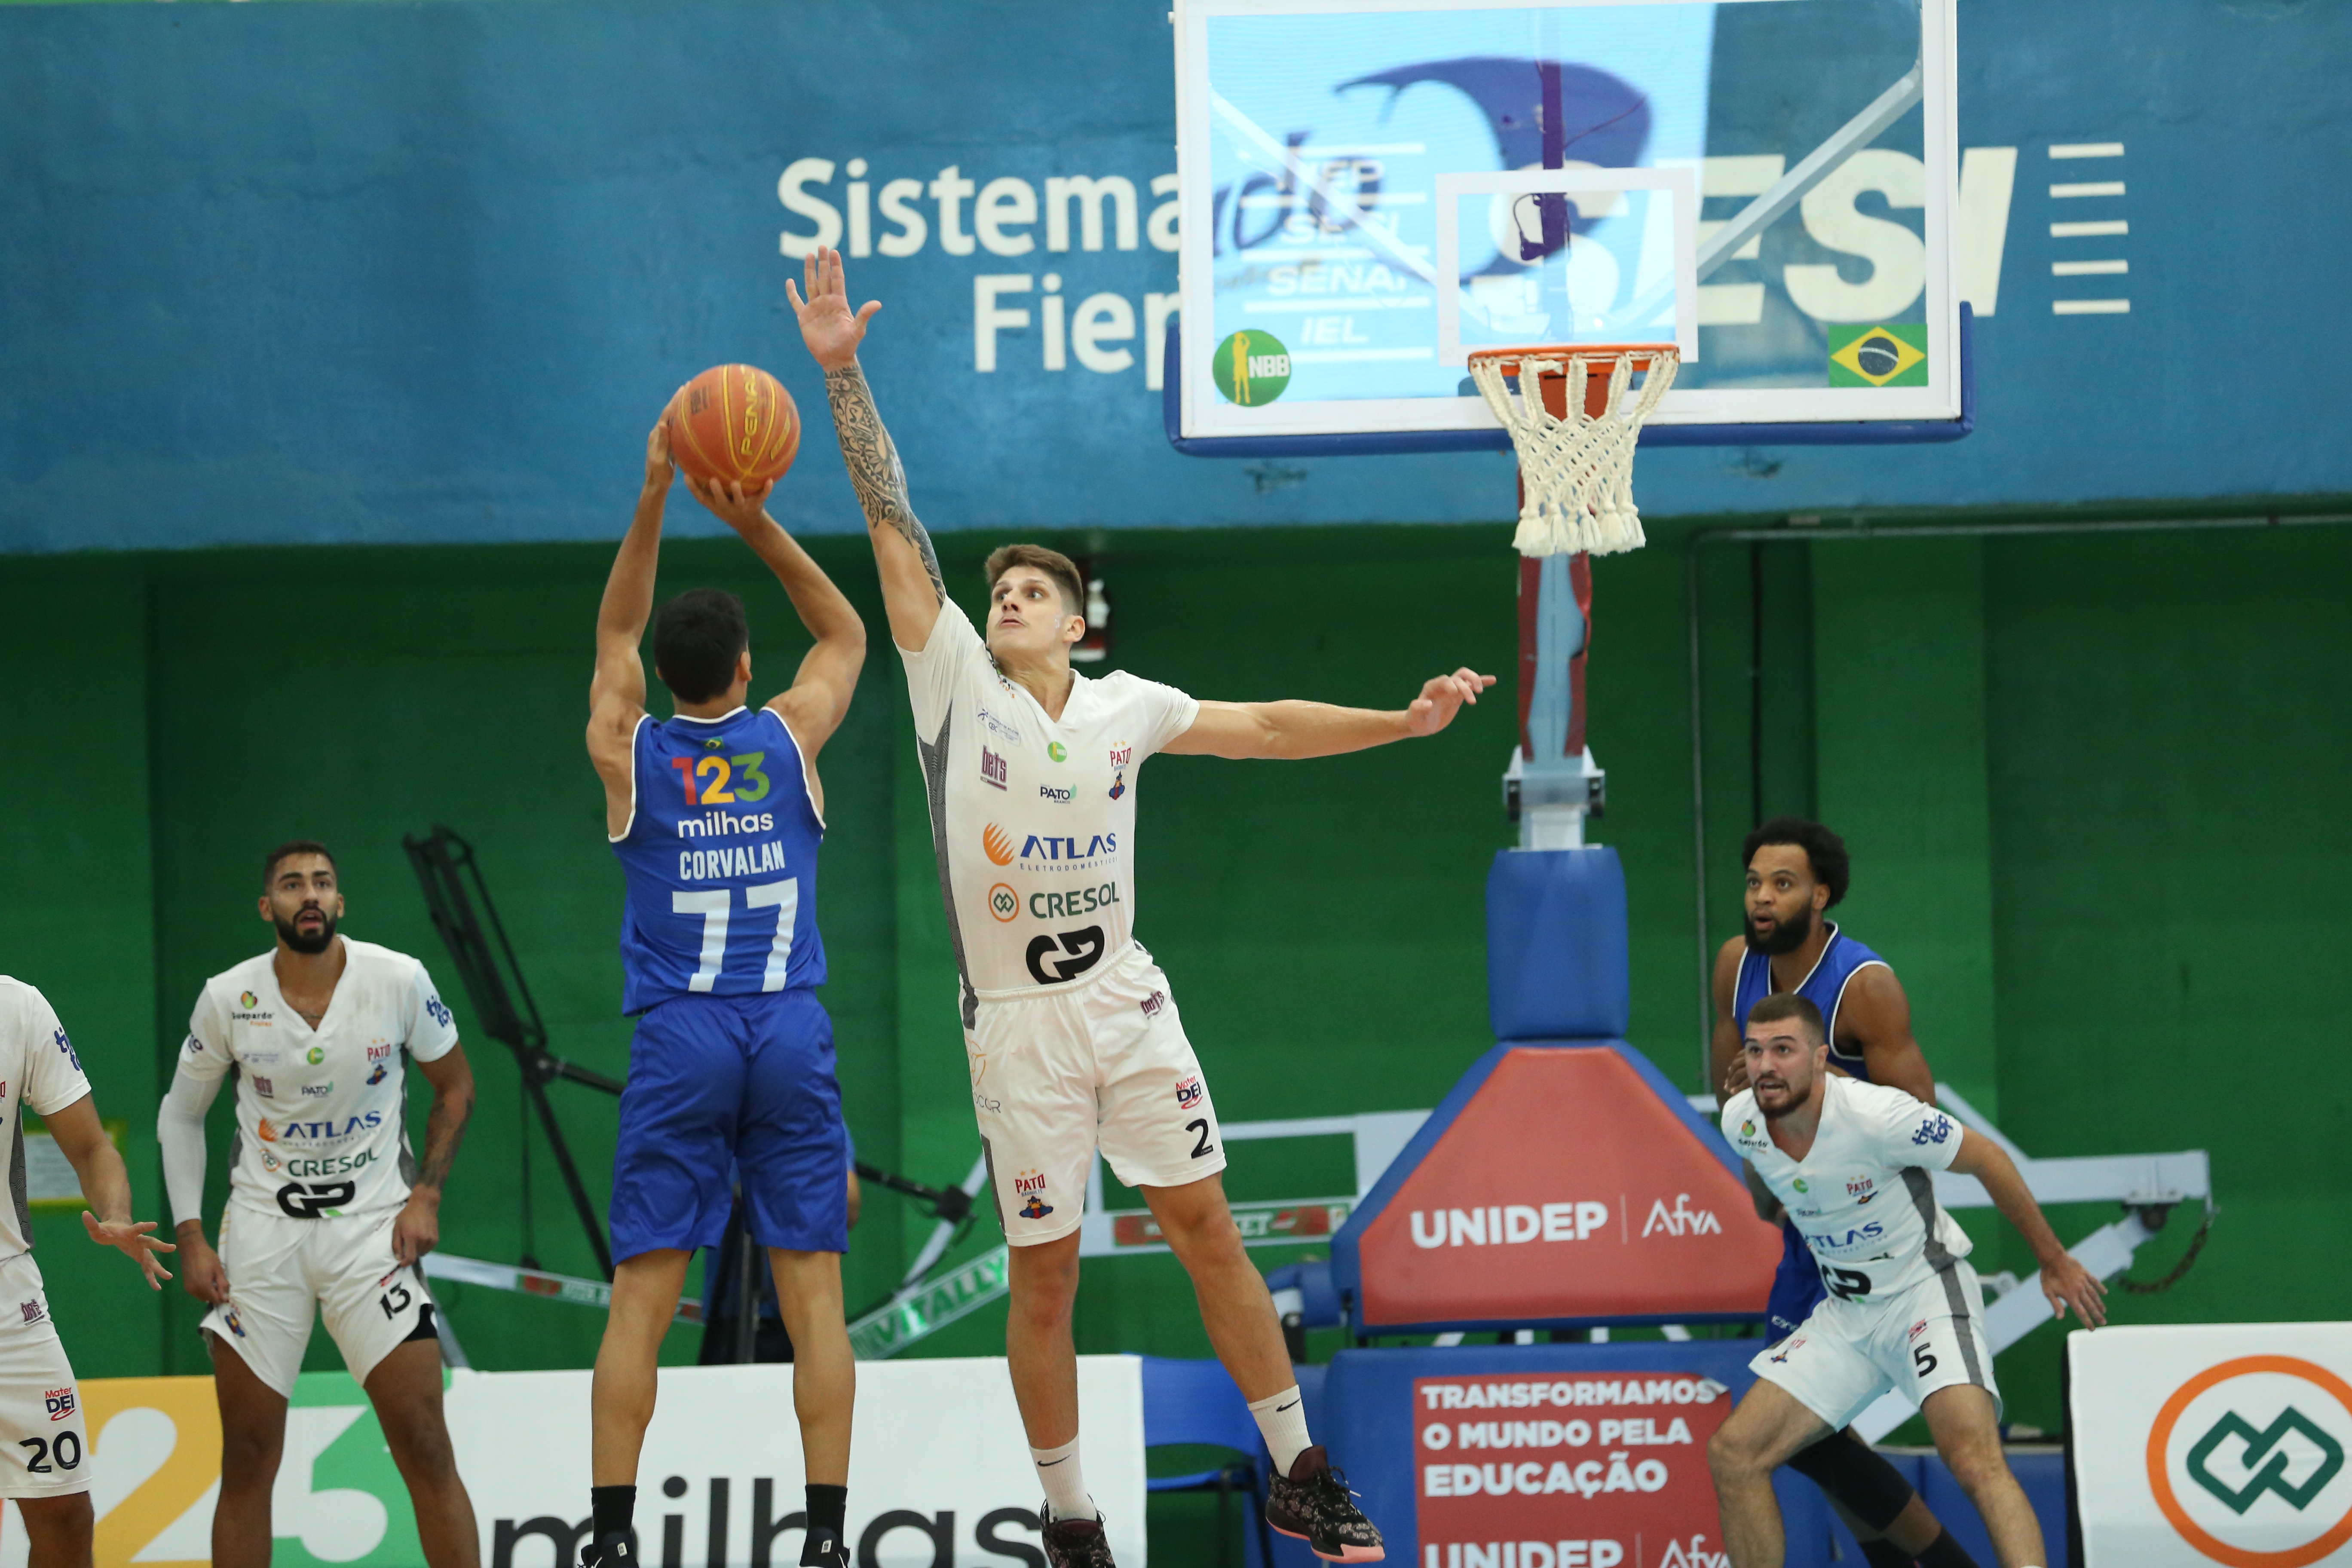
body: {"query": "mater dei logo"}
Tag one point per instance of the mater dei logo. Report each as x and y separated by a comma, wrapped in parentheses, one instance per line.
(2247, 1462)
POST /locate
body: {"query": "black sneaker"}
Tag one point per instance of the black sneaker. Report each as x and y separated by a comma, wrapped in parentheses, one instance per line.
(1313, 1504)
(823, 1549)
(1075, 1542)
(615, 1552)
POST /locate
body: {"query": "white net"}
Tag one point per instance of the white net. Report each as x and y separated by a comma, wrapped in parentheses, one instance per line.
(1577, 468)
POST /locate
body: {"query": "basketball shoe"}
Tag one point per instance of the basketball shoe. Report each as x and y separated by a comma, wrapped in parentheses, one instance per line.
(1313, 1504)
(1075, 1542)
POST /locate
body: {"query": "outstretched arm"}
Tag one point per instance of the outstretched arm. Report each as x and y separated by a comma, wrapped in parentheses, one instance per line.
(1292, 730)
(817, 700)
(913, 588)
(617, 697)
(2064, 1282)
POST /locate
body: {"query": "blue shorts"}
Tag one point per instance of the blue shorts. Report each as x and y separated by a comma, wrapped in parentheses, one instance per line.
(722, 1087)
(1797, 1287)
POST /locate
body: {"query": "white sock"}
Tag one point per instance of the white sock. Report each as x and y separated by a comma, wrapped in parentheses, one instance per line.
(1282, 1419)
(1066, 1488)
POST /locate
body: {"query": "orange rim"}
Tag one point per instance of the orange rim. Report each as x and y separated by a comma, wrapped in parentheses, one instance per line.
(2160, 1437)
(1642, 355)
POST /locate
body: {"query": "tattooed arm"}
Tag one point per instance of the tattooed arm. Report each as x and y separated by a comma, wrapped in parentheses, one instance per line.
(417, 1229)
(912, 589)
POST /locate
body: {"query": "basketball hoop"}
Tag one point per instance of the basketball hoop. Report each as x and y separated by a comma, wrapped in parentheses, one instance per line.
(1576, 470)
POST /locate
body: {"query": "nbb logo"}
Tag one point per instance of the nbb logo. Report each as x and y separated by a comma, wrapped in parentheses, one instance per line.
(2247, 1462)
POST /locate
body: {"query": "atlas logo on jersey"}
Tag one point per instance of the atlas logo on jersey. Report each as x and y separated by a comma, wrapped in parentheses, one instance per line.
(996, 845)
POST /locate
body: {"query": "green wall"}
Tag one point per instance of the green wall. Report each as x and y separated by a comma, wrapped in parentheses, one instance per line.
(2089, 784)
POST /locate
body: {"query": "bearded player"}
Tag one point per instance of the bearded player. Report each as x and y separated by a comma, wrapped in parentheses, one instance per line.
(1797, 872)
(1072, 1039)
(328, 1209)
(1905, 1310)
(717, 815)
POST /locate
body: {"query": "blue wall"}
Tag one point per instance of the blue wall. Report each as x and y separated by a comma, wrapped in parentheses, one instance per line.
(425, 272)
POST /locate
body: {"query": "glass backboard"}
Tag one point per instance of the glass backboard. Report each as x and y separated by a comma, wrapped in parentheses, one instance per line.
(1373, 190)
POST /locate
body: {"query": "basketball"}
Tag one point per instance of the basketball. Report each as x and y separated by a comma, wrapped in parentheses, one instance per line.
(734, 422)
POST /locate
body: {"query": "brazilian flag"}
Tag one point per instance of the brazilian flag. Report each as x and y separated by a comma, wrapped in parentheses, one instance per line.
(1891, 355)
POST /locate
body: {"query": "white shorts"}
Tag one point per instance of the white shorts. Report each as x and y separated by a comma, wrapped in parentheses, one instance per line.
(1104, 1062)
(282, 1271)
(44, 1449)
(1920, 1340)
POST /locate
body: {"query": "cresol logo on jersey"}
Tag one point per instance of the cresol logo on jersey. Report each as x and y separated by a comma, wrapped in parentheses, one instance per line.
(1566, 1471)
(2247, 1461)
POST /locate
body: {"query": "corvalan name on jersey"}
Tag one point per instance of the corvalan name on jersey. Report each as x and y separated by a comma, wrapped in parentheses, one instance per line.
(718, 824)
(736, 860)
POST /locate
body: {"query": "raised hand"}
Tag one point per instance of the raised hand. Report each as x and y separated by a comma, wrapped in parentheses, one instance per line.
(827, 327)
(659, 466)
(731, 503)
(131, 1239)
(1442, 698)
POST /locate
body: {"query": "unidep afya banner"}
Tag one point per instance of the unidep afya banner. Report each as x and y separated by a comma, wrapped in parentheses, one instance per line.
(2213, 1443)
(939, 1473)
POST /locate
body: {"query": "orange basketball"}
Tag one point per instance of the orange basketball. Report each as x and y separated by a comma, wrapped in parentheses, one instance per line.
(734, 422)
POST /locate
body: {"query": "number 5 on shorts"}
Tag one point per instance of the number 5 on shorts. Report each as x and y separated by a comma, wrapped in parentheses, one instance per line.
(1924, 1359)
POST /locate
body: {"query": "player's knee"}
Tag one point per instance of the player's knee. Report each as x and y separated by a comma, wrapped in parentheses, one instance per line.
(249, 1459)
(59, 1527)
(420, 1448)
(1977, 1466)
(1727, 1454)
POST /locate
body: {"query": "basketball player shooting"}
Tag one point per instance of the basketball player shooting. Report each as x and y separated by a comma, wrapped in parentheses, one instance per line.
(1902, 1309)
(1071, 1038)
(716, 816)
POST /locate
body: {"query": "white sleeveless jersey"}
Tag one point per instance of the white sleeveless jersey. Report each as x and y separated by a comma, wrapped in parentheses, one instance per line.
(1032, 819)
(38, 1068)
(1862, 1197)
(318, 1126)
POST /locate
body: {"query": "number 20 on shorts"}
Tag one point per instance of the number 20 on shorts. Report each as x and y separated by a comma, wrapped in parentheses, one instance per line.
(715, 781)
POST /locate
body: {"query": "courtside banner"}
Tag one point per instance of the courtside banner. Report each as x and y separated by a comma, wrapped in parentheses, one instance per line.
(2212, 1443)
(1574, 1470)
(1557, 1184)
(1549, 1456)
(940, 1475)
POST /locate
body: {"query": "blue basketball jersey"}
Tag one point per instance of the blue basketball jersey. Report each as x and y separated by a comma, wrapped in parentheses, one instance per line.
(721, 854)
(1824, 988)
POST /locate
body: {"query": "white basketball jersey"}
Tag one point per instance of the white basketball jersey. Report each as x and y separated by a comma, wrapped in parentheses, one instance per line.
(1862, 1197)
(318, 1127)
(1032, 818)
(37, 1068)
